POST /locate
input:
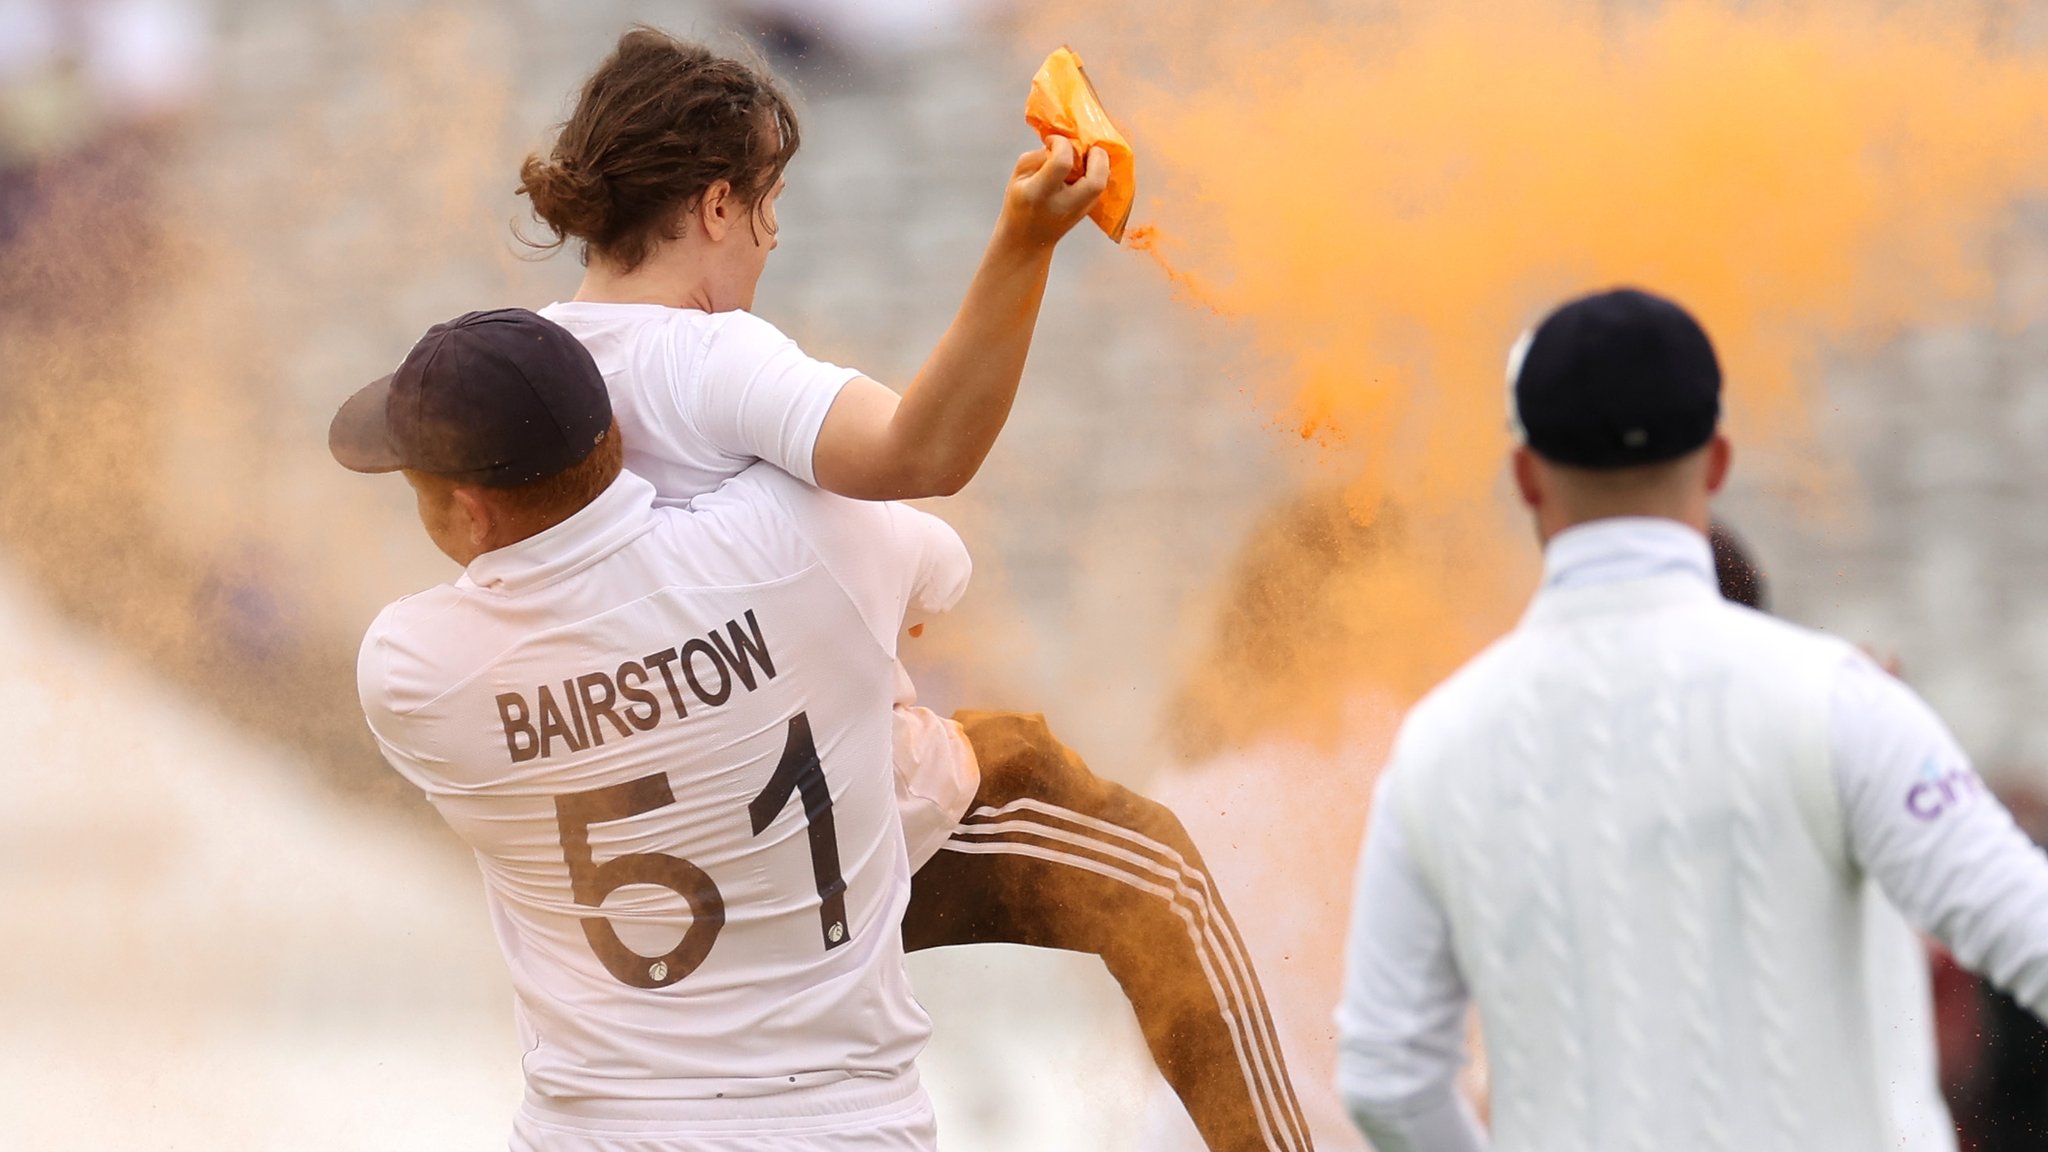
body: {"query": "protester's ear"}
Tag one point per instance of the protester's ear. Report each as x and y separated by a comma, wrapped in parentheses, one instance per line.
(717, 210)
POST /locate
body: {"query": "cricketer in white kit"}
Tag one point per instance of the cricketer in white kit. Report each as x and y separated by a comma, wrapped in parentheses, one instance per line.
(1012, 838)
(666, 734)
(1642, 829)
(702, 396)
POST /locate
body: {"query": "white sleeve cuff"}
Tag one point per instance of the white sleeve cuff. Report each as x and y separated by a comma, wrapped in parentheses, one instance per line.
(1438, 1121)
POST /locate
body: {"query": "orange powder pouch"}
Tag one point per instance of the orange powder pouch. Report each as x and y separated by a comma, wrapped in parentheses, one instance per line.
(1064, 103)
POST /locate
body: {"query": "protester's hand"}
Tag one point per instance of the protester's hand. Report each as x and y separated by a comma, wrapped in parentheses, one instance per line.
(1042, 204)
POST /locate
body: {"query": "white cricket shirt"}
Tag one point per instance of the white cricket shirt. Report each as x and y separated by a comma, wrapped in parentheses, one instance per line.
(666, 734)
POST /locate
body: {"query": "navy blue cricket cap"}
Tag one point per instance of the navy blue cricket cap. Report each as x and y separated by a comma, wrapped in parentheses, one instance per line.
(493, 398)
(1615, 380)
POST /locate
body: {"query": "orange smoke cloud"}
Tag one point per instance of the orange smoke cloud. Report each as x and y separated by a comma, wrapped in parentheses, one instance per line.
(1383, 204)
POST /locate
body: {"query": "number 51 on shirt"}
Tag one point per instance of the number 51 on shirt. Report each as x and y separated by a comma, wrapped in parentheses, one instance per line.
(797, 773)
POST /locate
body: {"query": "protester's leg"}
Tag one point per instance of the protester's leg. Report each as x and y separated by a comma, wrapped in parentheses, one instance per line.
(1052, 856)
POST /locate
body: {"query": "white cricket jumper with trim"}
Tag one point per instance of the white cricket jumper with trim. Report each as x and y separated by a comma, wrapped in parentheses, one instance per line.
(618, 716)
(1642, 830)
(701, 395)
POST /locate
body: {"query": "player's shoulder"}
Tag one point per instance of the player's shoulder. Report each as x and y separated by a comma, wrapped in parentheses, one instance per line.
(1861, 686)
(1749, 640)
(763, 488)
(423, 611)
(820, 515)
(845, 534)
(412, 645)
(757, 515)
(1445, 714)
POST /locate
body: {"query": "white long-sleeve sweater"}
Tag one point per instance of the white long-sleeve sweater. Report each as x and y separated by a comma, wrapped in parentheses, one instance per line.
(1640, 865)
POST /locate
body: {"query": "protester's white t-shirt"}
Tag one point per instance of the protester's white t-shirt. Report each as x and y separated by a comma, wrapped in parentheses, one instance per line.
(619, 716)
(700, 396)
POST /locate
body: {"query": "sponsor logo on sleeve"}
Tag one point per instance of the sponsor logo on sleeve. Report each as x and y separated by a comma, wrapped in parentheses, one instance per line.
(1940, 789)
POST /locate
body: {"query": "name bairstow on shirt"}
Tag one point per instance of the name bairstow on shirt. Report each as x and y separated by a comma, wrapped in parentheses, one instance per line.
(535, 725)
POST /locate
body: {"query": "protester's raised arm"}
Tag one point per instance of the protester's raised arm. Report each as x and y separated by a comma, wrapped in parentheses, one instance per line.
(875, 445)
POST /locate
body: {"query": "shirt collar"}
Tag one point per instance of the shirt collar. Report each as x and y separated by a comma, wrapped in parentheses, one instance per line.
(1626, 548)
(616, 518)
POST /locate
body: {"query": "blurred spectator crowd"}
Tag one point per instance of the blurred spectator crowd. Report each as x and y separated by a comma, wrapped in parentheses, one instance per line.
(73, 72)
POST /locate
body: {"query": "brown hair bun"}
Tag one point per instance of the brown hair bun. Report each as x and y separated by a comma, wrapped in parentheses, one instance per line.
(569, 202)
(658, 123)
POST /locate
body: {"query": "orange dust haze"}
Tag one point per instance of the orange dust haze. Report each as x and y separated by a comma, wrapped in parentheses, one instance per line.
(1384, 203)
